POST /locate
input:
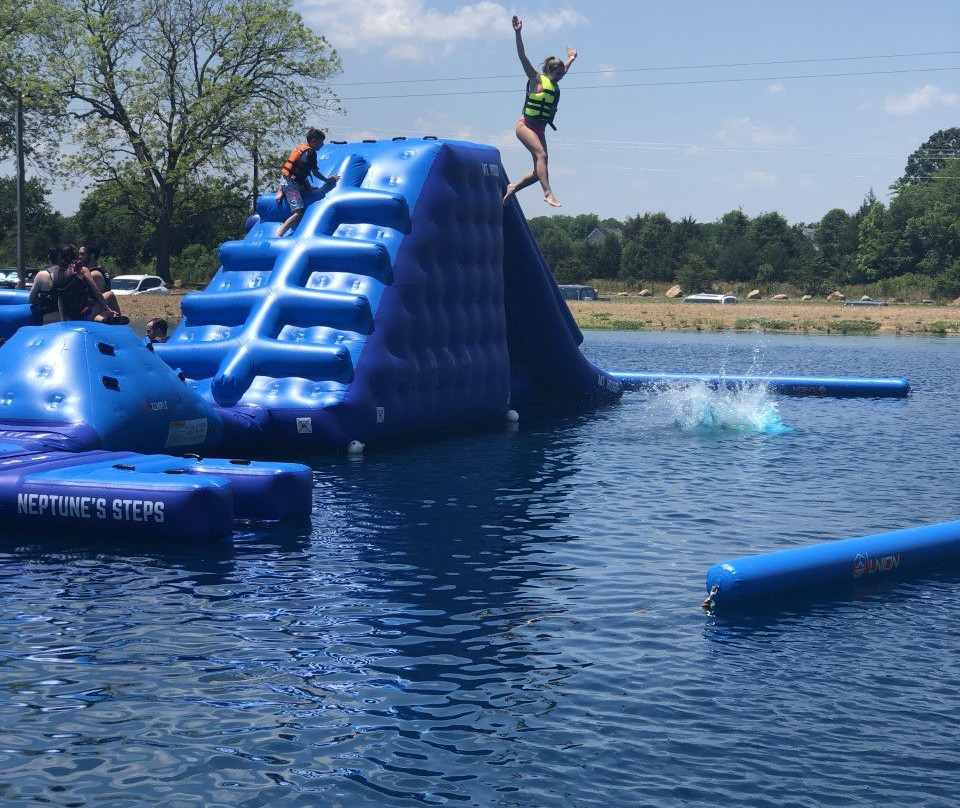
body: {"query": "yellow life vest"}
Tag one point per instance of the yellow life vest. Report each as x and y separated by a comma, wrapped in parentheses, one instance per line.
(542, 105)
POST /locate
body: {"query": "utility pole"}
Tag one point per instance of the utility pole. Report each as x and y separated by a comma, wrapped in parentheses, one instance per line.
(21, 199)
(255, 154)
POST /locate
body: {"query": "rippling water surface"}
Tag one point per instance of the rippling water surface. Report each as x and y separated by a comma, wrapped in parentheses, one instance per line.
(511, 618)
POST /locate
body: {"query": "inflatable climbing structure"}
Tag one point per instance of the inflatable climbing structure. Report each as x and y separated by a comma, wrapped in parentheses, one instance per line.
(408, 299)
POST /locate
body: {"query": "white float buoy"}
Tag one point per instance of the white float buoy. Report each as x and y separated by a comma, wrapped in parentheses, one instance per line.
(513, 416)
(355, 447)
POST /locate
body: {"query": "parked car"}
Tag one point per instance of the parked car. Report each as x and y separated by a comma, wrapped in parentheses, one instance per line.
(9, 277)
(138, 285)
(704, 297)
(576, 291)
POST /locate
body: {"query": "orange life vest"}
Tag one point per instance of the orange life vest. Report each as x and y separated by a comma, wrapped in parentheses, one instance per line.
(294, 168)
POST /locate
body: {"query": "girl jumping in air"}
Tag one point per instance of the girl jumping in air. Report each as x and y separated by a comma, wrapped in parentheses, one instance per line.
(539, 108)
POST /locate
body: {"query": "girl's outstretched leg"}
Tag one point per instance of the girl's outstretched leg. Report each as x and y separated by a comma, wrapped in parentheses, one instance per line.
(526, 180)
(537, 146)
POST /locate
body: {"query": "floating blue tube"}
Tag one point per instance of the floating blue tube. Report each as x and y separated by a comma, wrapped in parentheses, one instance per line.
(836, 387)
(762, 579)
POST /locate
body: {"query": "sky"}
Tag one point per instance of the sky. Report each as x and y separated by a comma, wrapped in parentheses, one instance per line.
(689, 107)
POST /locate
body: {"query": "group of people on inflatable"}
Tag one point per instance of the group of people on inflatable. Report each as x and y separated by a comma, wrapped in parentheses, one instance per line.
(74, 287)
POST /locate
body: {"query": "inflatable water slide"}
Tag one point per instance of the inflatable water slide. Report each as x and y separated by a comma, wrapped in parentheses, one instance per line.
(409, 299)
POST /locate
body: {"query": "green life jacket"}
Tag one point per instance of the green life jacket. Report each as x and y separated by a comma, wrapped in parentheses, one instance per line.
(542, 105)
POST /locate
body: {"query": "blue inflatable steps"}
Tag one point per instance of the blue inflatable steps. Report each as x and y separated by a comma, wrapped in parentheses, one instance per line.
(122, 494)
(394, 308)
(837, 387)
(79, 406)
(761, 581)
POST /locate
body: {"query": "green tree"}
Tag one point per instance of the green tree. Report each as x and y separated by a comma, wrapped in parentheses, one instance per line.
(774, 241)
(607, 258)
(165, 92)
(555, 245)
(571, 270)
(579, 227)
(45, 227)
(736, 255)
(923, 224)
(208, 215)
(648, 252)
(936, 236)
(938, 151)
(873, 252)
(696, 276)
(687, 238)
(837, 237)
(20, 68)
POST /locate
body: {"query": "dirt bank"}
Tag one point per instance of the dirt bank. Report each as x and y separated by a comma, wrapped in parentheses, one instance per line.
(664, 314)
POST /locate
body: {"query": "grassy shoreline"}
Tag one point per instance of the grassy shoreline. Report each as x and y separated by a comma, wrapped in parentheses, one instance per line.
(665, 314)
(787, 316)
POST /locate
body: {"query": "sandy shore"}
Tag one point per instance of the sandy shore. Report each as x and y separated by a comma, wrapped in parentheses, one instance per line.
(140, 308)
(793, 316)
(664, 314)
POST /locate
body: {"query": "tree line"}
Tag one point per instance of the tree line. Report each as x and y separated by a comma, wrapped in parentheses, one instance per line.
(909, 247)
(205, 217)
(158, 102)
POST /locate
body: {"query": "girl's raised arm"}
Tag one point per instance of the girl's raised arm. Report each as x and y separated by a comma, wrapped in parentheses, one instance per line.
(528, 68)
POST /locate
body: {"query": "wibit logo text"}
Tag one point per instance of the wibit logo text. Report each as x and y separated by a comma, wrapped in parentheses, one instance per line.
(864, 565)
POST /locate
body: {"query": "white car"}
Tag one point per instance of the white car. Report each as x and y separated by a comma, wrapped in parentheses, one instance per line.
(138, 285)
(704, 297)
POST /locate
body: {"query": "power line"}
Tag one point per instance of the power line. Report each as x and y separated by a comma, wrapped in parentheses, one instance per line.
(663, 83)
(621, 145)
(671, 67)
(610, 146)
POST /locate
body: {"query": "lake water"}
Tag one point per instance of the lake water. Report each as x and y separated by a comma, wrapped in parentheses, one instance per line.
(511, 617)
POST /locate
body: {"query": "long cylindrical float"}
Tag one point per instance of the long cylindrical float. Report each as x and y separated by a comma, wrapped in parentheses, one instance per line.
(828, 567)
(837, 387)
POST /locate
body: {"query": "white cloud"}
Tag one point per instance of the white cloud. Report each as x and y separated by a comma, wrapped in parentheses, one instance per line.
(775, 88)
(761, 179)
(443, 125)
(923, 98)
(411, 30)
(744, 132)
(607, 73)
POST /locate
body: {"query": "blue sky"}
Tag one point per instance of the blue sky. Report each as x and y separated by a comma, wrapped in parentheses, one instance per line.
(690, 107)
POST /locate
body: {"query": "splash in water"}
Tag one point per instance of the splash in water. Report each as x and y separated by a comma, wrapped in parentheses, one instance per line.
(699, 406)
